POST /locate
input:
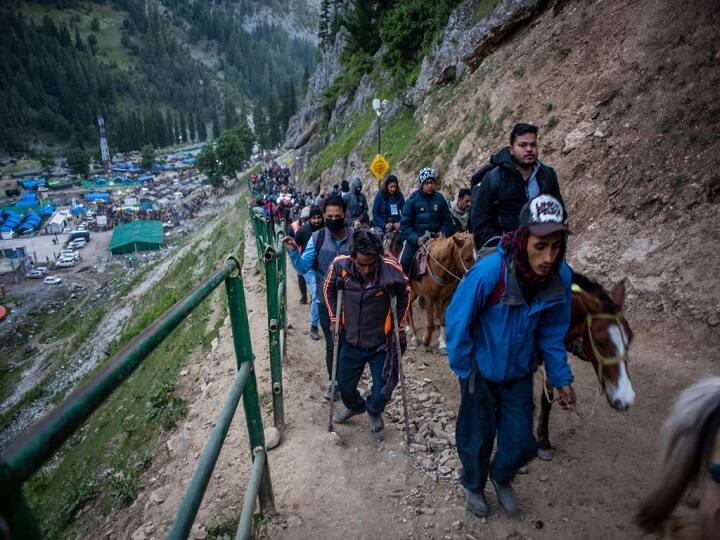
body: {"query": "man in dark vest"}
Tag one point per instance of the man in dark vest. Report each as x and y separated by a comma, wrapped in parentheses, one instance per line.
(334, 239)
(513, 177)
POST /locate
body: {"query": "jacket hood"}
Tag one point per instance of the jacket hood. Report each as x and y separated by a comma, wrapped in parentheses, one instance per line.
(356, 183)
(504, 158)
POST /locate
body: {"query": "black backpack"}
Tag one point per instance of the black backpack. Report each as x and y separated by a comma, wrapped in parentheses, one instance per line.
(477, 179)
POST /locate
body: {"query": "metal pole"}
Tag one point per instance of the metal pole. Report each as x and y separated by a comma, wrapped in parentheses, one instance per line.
(379, 117)
(251, 400)
(196, 490)
(274, 327)
(401, 373)
(244, 529)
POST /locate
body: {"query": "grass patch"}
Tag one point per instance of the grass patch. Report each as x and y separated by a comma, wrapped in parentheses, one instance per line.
(342, 145)
(397, 137)
(484, 122)
(105, 460)
(552, 122)
(482, 10)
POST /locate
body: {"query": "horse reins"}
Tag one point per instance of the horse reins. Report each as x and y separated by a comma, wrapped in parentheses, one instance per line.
(602, 360)
(437, 279)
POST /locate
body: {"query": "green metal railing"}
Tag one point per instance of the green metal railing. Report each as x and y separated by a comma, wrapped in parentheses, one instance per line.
(39, 442)
(268, 239)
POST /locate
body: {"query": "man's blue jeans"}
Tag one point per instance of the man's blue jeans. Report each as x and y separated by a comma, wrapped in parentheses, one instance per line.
(494, 409)
(314, 300)
(351, 365)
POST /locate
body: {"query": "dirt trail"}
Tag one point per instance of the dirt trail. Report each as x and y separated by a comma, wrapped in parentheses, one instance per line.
(369, 489)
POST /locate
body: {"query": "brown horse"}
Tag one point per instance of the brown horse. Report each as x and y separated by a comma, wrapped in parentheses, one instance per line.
(601, 335)
(447, 261)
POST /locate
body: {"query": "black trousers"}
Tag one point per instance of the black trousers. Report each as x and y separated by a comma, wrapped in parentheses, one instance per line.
(302, 285)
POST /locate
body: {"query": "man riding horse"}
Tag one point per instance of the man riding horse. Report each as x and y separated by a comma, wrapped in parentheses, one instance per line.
(426, 211)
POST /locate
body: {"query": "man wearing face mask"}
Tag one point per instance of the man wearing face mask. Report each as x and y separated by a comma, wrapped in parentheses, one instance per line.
(369, 279)
(334, 239)
(302, 237)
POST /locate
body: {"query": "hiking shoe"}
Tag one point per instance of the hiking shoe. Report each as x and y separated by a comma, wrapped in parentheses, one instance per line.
(506, 496)
(314, 334)
(476, 503)
(329, 394)
(377, 425)
(303, 300)
(343, 414)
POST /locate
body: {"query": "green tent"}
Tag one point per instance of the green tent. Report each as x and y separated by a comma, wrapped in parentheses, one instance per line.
(136, 236)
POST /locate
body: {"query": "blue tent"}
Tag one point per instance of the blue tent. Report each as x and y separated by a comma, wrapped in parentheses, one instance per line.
(27, 200)
(77, 210)
(47, 210)
(32, 183)
(145, 178)
(12, 220)
(31, 221)
(97, 196)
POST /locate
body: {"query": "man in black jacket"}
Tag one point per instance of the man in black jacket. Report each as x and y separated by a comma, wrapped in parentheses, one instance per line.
(366, 322)
(516, 177)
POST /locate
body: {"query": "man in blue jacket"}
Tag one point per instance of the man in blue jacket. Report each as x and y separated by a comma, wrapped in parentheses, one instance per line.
(511, 305)
(425, 211)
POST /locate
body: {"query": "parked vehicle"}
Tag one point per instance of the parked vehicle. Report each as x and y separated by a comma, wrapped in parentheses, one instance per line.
(79, 234)
(34, 274)
(64, 263)
(69, 253)
(42, 269)
(52, 280)
(76, 244)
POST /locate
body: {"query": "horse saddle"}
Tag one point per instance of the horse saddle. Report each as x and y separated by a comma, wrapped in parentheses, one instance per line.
(419, 266)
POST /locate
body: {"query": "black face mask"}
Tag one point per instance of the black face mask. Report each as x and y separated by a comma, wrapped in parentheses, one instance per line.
(335, 225)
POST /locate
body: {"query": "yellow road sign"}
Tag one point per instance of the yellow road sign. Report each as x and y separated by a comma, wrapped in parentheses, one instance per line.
(379, 166)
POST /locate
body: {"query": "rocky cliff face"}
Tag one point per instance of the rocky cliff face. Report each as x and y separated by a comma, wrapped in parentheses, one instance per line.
(625, 95)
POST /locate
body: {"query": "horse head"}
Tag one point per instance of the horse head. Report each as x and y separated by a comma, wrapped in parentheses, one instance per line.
(606, 336)
(464, 251)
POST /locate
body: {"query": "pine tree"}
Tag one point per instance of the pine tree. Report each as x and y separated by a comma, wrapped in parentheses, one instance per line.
(202, 129)
(274, 121)
(305, 80)
(261, 126)
(79, 45)
(231, 118)
(169, 129)
(183, 128)
(215, 120)
(323, 26)
(193, 127)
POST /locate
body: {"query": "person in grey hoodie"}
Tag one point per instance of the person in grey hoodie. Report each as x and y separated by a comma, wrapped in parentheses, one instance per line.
(357, 205)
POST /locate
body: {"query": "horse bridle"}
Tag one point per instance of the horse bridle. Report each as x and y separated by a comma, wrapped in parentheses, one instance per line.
(437, 279)
(602, 360)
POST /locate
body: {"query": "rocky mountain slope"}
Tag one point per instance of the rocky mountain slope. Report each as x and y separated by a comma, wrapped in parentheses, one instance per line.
(625, 94)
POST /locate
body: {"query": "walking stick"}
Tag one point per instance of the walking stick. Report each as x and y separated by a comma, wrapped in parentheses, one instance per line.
(401, 373)
(340, 286)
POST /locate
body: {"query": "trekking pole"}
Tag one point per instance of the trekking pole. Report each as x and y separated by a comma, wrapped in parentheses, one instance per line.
(401, 373)
(340, 286)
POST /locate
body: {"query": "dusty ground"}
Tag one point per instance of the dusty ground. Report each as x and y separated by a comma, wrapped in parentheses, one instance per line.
(366, 489)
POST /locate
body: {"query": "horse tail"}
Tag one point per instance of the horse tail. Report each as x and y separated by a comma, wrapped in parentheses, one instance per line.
(686, 444)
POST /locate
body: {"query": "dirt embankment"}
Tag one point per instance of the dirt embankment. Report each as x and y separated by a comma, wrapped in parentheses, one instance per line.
(625, 94)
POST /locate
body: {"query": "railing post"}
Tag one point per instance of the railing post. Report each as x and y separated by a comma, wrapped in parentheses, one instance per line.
(251, 401)
(274, 330)
(16, 519)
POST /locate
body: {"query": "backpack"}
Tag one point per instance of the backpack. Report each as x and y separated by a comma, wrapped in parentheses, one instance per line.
(320, 240)
(477, 179)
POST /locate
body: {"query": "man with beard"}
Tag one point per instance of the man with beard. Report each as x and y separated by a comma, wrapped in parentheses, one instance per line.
(514, 177)
(334, 239)
(302, 237)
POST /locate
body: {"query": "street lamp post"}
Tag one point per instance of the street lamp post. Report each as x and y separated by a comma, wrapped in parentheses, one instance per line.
(380, 107)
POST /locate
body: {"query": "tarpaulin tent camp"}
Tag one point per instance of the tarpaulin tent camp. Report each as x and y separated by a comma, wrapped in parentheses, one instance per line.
(97, 196)
(136, 236)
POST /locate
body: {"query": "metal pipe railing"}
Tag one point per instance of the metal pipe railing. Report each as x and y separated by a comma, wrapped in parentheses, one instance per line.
(244, 530)
(40, 441)
(196, 489)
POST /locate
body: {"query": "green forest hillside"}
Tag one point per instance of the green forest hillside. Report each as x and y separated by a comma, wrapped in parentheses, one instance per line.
(159, 72)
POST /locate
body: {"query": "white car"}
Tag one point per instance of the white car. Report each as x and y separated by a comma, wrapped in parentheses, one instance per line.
(69, 254)
(77, 244)
(52, 280)
(64, 263)
(42, 269)
(34, 274)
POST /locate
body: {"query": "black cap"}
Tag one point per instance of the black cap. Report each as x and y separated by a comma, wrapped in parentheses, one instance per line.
(543, 215)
